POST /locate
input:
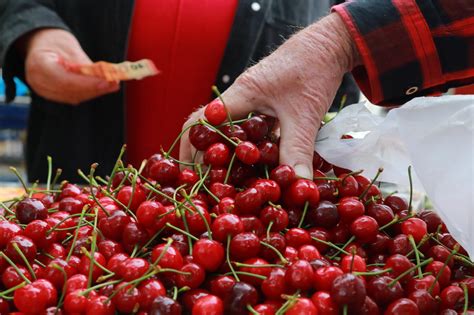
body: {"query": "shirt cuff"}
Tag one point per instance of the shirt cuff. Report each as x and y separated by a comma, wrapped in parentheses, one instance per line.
(399, 57)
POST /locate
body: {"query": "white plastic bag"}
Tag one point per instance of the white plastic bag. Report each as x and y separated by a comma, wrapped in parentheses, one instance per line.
(433, 134)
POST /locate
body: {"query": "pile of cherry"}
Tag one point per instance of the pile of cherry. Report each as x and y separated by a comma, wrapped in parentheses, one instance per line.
(234, 234)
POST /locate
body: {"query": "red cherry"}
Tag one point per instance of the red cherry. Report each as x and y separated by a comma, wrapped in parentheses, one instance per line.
(348, 289)
(423, 284)
(382, 291)
(364, 228)
(324, 215)
(170, 259)
(221, 190)
(187, 177)
(150, 289)
(269, 153)
(194, 278)
(350, 209)
(225, 225)
(299, 275)
(284, 175)
(244, 245)
(217, 154)
(248, 201)
(165, 171)
(256, 128)
(269, 189)
(55, 275)
(76, 303)
(400, 245)
(215, 112)
(275, 284)
(451, 296)
(39, 232)
(277, 216)
(208, 305)
(402, 306)
(131, 198)
(86, 264)
(432, 220)
(320, 234)
(38, 296)
(302, 306)
(396, 203)
(11, 278)
(415, 227)
(209, 254)
(437, 267)
(127, 298)
(234, 131)
(324, 277)
(399, 264)
(197, 219)
(347, 186)
(7, 231)
(25, 245)
(150, 214)
(352, 263)
(324, 303)
(256, 266)
(302, 191)
(30, 209)
(100, 305)
(133, 268)
(201, 136)
(381, 213)
(425, 302)
(69, 190)
(222, 286)
(76, 282)
(277, 241)
(241, 295)
(247, 152)
(265, 309)
(297, 237)
(71, 205)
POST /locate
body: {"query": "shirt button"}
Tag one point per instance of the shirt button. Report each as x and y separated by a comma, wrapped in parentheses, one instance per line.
(412, 90)
(255, 6)
(225, 78)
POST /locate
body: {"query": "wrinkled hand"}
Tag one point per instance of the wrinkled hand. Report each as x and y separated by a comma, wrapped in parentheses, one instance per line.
(296, 84)
(49, 79)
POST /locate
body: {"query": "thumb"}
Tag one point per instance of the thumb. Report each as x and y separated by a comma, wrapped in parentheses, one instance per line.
(297, 136)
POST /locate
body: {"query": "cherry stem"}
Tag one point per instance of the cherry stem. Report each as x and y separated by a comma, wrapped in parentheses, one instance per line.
(93, 247)
(339, 250)
(25, 261)
(352, 259)
(134, 184)
(235, 273)
(269, 228)
(423, 241)
(366, 190)
(18, 271)
(466, 297)
(277, 252)
(417, 254)
(182, 231)
(98, 286)
(451, 254)
(117, 163)
(163, 252)
(156, 191)
(76, 233)
(202, 180)
(50, 171)
(6, 208)
(303, 216)
(328, 178)
(265, 168)
(218, 93)
(229, 237)
(205, 123)
(350, 174)
(371, 273)
(56, 177)
(252, 310)
(229, 168)
(63, 291)
(238, 264)
(344, 309)
(409, 270)
(396, 219)
(291, 301)
(176, 140)
(411, 190)
(4, 294)
(331, 245)
(208, 228)
(22, 181)
(211, 194)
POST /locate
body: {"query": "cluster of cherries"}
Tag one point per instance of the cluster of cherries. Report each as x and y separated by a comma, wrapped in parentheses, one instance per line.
(234, 234)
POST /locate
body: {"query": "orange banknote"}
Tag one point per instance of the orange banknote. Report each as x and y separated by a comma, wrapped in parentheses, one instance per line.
(114, 72)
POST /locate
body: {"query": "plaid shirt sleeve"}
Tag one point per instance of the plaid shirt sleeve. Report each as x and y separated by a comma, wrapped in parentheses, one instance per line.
(411, 48)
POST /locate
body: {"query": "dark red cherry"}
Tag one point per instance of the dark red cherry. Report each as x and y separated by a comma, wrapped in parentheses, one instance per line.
(256, 128)
(25, 245)
(348, 289)
(269, 153)
(234, 132)
(426, 302)
(201, 137)
(241, 295)
(165, 171)
(247, 153)
(324, 303)
(396, 203)
(383, 290)
(276, 216)
(244, 246)
(166, 306)
(284, 175)
(299, 275)
(402, 306)
(30, 209)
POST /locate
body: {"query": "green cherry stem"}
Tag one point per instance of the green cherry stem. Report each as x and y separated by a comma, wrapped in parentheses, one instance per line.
(411, 190)
(331, 245)
(25, 261)
(59, 171)
(117, 163)
(303, 216)
(366, 190)
(50, 171)
(276, 251)
(229, 237)
(229, 168)
(339, 250)
(417, 254)
(18, 271)
(76, 233)
(219, 95)
(22, 181)
(451, 254)
(182, 231)
(408, 271)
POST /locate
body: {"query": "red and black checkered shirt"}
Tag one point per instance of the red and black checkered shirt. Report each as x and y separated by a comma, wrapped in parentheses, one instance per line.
(411, 48)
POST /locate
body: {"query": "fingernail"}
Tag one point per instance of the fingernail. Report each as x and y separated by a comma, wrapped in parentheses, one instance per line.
(303, 171)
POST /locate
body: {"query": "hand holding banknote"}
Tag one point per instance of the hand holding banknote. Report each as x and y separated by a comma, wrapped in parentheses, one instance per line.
(57, 68)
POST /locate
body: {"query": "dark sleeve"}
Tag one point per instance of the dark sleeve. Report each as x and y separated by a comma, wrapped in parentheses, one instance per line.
(411, 48)
(18, 17)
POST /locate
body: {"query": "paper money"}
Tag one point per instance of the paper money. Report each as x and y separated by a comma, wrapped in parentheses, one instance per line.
(114, 72)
